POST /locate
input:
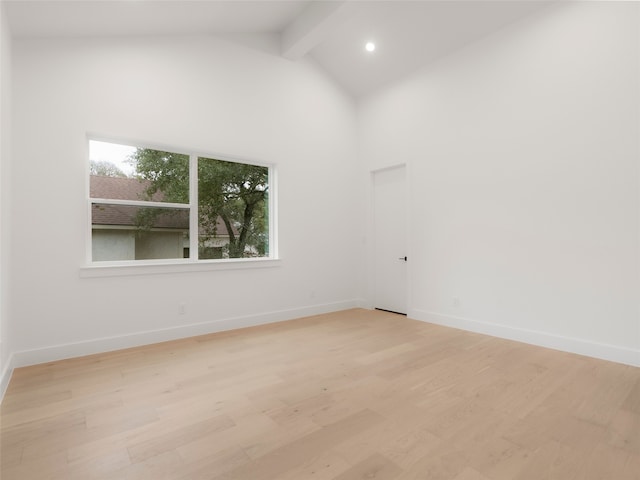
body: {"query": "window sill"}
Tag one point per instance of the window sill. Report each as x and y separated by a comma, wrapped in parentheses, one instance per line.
(158, 267)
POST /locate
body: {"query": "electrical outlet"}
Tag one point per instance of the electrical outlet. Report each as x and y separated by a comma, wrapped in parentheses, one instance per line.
(182, 309)
(456, 301)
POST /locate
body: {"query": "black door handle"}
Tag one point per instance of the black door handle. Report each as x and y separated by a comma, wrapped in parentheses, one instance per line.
(403, 258)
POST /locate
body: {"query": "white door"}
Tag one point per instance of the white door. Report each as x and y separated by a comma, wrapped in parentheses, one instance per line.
(390, 250)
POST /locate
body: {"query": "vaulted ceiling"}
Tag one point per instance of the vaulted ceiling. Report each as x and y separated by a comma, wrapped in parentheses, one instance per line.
(407, 34)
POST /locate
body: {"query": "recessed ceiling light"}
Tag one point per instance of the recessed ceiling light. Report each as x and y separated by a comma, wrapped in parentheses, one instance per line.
(370, 47)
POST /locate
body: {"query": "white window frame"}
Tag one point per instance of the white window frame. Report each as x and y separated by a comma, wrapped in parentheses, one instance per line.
(177, 265)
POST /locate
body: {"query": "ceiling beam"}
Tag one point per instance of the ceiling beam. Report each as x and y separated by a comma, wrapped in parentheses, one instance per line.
(312, 26)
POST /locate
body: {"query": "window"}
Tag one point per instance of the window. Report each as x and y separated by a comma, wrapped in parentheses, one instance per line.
(149, 204)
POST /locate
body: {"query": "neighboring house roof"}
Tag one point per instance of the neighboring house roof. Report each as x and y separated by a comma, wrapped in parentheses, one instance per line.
(122, 188)
(123, 215)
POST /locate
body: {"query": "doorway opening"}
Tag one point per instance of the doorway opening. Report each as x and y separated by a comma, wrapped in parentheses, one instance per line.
(389, 311)
(390, 244)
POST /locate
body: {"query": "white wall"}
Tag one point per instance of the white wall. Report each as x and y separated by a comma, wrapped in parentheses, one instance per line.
(523, 154)
(199, 93)
(5, 186)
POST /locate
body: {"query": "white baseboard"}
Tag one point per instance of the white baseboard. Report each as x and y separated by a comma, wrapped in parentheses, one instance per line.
(101, 345)
(25, 358)
(627, 356)
(5, 376)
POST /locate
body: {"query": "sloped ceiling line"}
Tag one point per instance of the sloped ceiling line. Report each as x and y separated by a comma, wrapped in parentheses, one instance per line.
(312, 26)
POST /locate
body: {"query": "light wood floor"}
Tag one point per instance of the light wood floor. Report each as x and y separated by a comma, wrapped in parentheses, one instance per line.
(351, 395)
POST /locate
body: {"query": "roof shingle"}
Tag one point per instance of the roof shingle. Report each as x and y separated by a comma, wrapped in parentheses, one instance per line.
(121, 188)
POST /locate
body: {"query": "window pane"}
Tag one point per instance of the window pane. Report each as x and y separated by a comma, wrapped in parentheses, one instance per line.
(233, 209)
(128, 173)
(122, 232)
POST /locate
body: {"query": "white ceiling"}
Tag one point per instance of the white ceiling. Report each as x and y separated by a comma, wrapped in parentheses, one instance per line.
(408, 34)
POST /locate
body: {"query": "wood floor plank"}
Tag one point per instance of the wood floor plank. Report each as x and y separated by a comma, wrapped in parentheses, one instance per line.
(183, 434)
(470, 474)
(290, 456)
(554, 461)
(350, 395)
(326, 466)
(375, 466)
